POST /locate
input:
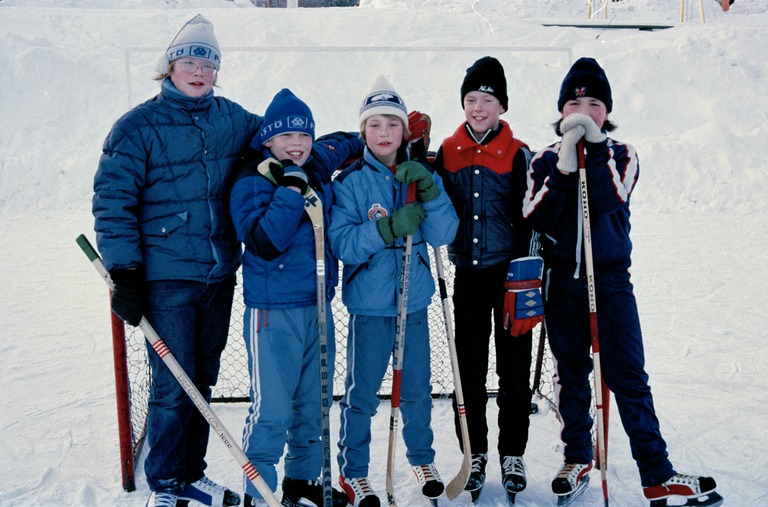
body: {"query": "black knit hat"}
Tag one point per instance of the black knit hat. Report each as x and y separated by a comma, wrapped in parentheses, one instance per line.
(486, 75)
(585, 79)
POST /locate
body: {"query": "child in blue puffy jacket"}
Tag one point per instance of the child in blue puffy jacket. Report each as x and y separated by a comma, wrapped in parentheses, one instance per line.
(370, 221)
(280, 284)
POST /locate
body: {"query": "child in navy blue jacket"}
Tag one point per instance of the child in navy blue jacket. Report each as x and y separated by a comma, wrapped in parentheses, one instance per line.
(551, 205)
(280, 284)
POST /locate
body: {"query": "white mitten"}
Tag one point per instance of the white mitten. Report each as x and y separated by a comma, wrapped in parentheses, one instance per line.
(567, 157)
(593, 134)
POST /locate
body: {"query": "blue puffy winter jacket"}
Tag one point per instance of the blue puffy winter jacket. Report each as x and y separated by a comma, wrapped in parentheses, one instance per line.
(279, 265)
(161, 189)
(365, 192)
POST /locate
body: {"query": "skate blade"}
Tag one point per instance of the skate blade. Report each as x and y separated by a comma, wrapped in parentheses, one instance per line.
(570, 497)
(511, 497)
(712, 499)
(475, 494)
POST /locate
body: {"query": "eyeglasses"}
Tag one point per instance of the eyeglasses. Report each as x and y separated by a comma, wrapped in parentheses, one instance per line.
(190, 65)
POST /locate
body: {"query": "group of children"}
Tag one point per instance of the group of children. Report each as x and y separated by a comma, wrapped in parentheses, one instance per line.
(510, 218)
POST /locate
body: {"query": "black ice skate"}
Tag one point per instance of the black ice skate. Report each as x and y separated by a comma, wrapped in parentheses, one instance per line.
(512, 475)
(476, 479)
(308, 493)
(429, 480)
(698, 491)
(570, 482)
(207, 492)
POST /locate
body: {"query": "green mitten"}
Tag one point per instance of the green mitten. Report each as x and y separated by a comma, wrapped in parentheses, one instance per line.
(402, 222)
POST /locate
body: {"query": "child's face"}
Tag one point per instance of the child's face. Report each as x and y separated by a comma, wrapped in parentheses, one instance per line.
(295, 146)
(482, 111)
(194, 77)
(383, 136)
(590, 106)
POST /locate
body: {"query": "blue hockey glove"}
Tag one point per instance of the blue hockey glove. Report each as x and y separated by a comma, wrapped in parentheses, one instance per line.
(523, 304)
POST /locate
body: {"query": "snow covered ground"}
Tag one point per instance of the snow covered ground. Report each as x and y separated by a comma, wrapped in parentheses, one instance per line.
(692, 99)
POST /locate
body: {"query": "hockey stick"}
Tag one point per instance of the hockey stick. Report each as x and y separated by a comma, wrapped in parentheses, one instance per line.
(599, 384)
(397, 361)
(186, 383)
(456, 486)
(313, 206)
(539, 365)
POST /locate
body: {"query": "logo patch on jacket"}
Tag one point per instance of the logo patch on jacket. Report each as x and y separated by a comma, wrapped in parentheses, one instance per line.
(376, 211)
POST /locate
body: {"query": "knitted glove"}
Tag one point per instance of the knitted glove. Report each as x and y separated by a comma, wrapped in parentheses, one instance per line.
(568, 156)
(402, 222)
(127, 294)
(414, 172)
(523, 304)
(592, 132)
(288, 174)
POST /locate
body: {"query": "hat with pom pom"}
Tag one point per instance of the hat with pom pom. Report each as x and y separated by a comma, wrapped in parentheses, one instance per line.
(383, 99)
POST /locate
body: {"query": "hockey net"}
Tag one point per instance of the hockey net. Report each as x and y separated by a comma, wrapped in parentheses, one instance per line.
(233, 381)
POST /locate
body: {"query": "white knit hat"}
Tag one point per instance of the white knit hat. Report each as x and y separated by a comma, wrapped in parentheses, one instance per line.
(195, 40)
(383, 99)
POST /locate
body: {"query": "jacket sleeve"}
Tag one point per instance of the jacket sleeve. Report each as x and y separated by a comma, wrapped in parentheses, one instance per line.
(440, 220)
(265, 217)
(546, 190)
(117, 187)
(333, 150)
(612, 171)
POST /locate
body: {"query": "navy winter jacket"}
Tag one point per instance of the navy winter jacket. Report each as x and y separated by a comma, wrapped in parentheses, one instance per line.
(279, 265)
(161, 189)
(486, 183)
(552, 206)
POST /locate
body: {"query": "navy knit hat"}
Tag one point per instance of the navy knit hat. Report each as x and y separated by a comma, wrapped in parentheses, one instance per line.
(486, 75)
(585, 79)
(285, 114)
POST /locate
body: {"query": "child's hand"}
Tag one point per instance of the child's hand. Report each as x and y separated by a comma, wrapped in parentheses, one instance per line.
(414, 172)
(592, 132)
(288, 174)
(402, 222)
(567, 160)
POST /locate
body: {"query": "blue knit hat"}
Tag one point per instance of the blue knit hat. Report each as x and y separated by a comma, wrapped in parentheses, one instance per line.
(585, 79)
(194, 40)
(285, 114)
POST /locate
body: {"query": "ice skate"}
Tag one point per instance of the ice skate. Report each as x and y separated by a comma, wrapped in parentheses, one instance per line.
(429, 480)
(209, 493)
(512, 475)
(254, 502)
(476, 479)
(308, 493)
(161, 499)
(359, 492)
(697, 491)
(570, 482)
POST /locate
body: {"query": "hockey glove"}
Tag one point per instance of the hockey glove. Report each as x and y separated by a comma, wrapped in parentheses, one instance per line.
(127, 294)
(414, 172)
(592, 132)
(567, 160)
(288, 174)
(523, 304)
(402, 222)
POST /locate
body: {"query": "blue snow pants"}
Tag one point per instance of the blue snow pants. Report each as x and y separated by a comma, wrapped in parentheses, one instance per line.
(622, 361)
(283, 362)
(370, 344)
(192, 319)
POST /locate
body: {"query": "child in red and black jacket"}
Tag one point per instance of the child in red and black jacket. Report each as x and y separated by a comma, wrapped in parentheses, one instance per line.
(484, 167)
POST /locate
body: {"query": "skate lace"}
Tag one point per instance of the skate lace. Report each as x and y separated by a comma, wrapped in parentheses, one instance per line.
(478, 460)
(570, 470)
(205, 484)
(683, 479)
(164, 500)
(360, 486)
(426, 473)
(513, 465)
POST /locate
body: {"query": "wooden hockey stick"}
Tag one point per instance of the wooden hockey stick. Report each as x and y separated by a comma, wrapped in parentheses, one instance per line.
(599, 384)
(456, 485)
(397, 360)
(186, 383)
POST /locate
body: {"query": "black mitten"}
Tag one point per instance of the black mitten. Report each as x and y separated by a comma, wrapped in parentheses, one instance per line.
(288, 174)
(127, 294)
